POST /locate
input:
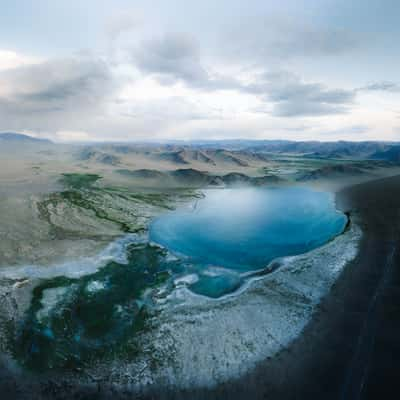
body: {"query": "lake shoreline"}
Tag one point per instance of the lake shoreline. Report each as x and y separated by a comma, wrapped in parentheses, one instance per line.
(315, 364)
(322, 362)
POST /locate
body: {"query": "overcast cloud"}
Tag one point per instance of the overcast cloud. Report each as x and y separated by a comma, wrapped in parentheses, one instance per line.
(134, 70)
(385, 86)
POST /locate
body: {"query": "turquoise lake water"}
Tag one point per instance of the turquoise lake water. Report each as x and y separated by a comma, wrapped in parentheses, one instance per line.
(231, 232)
(219, 241)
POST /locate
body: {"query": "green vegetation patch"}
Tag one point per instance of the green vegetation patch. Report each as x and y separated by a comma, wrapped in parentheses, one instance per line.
(86, 210)
(73, 322)
(79, 181)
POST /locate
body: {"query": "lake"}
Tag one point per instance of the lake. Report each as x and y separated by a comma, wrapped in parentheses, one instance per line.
(232, 232)
(219, 241)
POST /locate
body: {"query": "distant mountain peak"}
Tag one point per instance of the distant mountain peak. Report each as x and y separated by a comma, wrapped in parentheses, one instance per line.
(20, 137)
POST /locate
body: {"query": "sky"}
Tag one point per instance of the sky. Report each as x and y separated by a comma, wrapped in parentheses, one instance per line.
(127, 70)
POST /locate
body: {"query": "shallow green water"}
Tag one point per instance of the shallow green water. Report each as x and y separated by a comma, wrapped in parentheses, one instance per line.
(73, 321)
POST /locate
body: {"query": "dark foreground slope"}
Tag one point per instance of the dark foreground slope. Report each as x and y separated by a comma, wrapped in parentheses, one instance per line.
(351, 349)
